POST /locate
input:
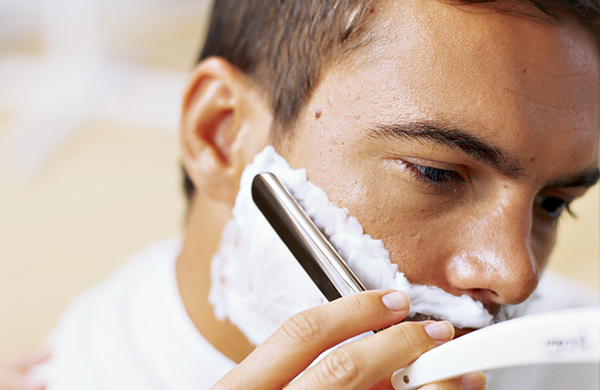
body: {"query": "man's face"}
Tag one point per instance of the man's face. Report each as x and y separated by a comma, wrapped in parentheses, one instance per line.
(455, 138)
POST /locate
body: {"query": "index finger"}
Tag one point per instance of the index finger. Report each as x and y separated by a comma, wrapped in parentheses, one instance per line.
(302, 338)
(366, 361)
(24, 362)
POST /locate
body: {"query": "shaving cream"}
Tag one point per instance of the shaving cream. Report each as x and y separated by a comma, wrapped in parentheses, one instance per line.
(257, 284)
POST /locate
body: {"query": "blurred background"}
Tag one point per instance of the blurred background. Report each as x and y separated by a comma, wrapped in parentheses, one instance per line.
(89, 166)
(90, 94)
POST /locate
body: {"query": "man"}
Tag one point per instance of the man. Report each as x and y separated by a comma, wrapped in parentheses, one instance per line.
(455, 133)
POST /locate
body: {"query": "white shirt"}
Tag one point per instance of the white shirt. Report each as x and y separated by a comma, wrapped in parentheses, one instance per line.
(132, 332)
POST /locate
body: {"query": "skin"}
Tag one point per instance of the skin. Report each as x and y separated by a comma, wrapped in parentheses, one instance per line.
(481, 233)
(483, 227)
(527, 90)
(13, 374)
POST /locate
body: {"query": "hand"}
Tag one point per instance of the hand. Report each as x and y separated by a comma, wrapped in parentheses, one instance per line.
(364, 364)
(13, 373)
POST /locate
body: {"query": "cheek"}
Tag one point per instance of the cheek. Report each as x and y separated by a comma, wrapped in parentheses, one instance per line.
(413, 230)
(543, 238)
(413, 227)
(416, 239)
(415, 236)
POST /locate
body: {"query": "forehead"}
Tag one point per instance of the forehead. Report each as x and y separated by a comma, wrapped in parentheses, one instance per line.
(439, 42)
(519, 82)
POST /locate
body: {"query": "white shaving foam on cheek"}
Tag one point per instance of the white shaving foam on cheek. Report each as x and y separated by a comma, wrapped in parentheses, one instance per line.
(257, 284)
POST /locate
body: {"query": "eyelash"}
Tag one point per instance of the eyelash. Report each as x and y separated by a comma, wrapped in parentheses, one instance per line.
(443, 179)
(437, 179)
(555, 208)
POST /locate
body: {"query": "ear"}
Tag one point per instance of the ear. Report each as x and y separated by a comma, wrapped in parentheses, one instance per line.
(224, 124)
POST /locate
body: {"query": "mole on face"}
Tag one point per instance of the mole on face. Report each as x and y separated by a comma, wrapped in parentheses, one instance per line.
(318, 114)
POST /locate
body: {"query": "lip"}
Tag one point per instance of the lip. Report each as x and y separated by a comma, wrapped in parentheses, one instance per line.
(459, 332)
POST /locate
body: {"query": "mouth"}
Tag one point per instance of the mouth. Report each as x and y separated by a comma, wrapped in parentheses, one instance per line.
(422, 317)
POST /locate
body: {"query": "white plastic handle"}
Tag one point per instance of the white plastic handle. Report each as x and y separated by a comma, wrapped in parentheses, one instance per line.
(565, 336)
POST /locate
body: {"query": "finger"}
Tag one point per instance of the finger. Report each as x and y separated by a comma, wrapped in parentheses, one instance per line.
(24, 362)
(18, 383)
(472, 381)
(382, 384)
(302, 338)
(450, 384)
(360, 364)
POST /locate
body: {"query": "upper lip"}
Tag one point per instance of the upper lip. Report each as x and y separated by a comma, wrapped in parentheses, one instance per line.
(458, 332)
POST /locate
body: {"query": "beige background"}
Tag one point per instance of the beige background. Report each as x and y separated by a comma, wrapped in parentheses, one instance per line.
(108, 182)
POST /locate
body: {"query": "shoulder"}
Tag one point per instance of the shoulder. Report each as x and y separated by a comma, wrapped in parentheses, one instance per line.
(101, 323)
(141, 269)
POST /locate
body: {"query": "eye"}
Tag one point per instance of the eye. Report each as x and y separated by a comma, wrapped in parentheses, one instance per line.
(436, 178)
(552, 206)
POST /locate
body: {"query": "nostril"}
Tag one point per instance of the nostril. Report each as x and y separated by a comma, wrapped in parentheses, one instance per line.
(489, 298)
(482, 294)
(492, 275)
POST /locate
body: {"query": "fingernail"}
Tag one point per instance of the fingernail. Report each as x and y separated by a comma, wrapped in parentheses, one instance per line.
(440, 331)
(396, 301)
(472, 381)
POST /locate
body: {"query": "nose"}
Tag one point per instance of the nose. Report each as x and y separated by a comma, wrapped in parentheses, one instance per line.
(493, 261)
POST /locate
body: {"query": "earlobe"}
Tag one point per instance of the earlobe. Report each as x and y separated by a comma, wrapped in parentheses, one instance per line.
(215, 119)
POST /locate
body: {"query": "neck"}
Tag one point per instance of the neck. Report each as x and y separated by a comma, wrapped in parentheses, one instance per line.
(207, 219)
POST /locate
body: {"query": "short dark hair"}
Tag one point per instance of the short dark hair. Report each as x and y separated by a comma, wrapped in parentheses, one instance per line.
(284, 45)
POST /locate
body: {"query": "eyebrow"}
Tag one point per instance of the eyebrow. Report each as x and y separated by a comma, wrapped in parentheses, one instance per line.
(447, 135)
(586, 178)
